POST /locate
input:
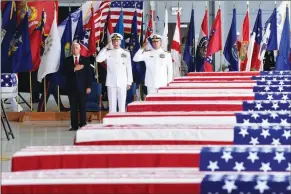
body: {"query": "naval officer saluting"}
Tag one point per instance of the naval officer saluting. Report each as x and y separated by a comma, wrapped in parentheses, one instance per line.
(159, 66)
(119, 73)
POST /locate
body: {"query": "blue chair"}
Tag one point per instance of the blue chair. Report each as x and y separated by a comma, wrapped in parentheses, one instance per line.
(131, 94)
(94, 100)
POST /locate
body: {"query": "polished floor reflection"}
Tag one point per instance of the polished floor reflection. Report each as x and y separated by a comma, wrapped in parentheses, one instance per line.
(34, 134)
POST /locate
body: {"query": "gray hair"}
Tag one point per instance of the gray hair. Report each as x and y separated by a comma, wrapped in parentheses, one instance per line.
(76, 44)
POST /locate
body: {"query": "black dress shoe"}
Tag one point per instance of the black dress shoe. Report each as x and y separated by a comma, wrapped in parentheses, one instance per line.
(64, 109)
(83, 125)
(73, 129)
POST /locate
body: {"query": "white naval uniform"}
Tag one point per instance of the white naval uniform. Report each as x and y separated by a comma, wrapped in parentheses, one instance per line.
(159, 68)
(119, 76)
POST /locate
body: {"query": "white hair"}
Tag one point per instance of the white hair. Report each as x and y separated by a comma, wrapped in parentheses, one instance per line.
(75, 43)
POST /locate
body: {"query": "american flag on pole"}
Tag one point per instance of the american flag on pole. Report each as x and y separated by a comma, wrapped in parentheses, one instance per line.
(114, 8)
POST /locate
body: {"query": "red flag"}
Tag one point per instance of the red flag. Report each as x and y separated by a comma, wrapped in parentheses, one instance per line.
(215, 42)
(243, 50)
(35, 9)
(92, 41)
(109, 24)
(150, 27)
(176, 48)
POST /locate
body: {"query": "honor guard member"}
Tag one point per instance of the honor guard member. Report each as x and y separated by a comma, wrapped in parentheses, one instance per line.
(159, 67)
(119, 73)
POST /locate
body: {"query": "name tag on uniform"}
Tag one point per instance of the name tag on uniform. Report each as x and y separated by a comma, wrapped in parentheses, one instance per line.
(151, 56)
(162, 56)
(123, 55)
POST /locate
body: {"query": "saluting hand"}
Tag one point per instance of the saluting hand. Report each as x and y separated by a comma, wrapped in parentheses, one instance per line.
(128, 87)
(145, 44)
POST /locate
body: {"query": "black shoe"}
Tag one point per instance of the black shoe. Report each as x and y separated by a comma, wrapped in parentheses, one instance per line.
(82, 125)
(64, 109)
(73, 129)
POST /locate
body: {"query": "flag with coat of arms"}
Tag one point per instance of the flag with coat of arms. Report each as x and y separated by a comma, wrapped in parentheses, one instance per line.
(51, 56)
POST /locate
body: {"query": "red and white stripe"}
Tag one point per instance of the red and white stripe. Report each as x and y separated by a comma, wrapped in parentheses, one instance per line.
(101, 15)
(176, 48)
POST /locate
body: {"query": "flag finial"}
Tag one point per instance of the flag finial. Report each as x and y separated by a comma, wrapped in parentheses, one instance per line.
(233, 4)
(275, 2)
(205, 5)
(260, 4)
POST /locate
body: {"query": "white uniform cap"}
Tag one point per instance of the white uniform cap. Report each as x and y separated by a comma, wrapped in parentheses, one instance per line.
(116, 36)
(156, 37)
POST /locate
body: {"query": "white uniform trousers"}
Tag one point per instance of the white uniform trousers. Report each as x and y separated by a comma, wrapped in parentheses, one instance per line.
(116, 94)
(152, 90)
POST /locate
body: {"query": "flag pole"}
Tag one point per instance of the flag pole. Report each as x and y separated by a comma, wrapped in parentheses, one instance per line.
(220, 60)
(59, 99)
(30, 91)
(44, 93)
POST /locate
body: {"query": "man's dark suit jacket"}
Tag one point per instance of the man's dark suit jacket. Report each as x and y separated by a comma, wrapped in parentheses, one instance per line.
(79, 80)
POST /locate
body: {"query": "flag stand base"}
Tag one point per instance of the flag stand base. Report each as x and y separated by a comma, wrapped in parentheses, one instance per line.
(5, 123)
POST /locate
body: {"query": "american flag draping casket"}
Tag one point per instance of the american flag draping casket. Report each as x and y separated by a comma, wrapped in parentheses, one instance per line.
(260, 135)
(246, 183)
(275, 73)
(213, 105)
(227, 83)
(198, 97)
(141, 180)
(134, 156)
(246, 158)
(101, 181)
(212, 78)
(9, 85)
(188, 118)
(223, 90)
(241, 73)
(154, 135)
(220, 96)
(235, 78)
(223, 74)
(264, 118)
(272, 78)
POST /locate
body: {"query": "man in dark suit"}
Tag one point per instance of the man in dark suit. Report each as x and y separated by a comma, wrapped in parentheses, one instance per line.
(76, 69)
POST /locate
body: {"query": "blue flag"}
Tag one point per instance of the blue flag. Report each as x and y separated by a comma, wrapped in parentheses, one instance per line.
(282, 62)
(119, 28)
(272, 43)
(138, 68)
(19, 50)
(7, 32)
(189, 51)
(66, 43)
(230, 48)
(79, 29)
